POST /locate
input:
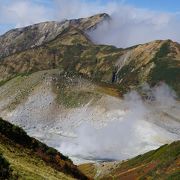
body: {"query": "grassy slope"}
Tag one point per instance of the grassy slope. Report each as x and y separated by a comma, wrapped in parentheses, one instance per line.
(163, 163)
(31, 159)
(167, 67)
(152, 62)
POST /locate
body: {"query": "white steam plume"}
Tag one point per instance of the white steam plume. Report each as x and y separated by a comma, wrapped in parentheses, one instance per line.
(130, 26)
(130, 134)
(109, 129)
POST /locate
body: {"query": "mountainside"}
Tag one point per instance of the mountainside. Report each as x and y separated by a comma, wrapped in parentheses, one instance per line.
(28, 158)
(72, 51)
(20, 39)
(154, 62)
(162, 163)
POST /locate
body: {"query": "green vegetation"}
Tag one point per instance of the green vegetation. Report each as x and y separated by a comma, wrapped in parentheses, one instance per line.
(157, 164)
(16, 75)
(90, 60)
(166, 69)
(73, 99)
(19, 86)
(164, 50)
(74, 53)
(5, 170)
(174, 176)
(88, 169)
(29, 156)
(162, 163)
(162, 66)
(73, 91)
(129, 77)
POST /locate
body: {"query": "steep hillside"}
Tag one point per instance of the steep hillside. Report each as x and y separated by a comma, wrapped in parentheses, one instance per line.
(154, 62)
(29, 158)
(163, 163)
(20, 39)
(72, 51)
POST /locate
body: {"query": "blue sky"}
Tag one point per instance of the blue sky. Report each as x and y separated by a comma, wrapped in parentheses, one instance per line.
(50, 5)
(156, 5)
(162, 17)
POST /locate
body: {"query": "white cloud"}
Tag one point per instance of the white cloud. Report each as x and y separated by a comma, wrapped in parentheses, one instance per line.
(129, 26)
(22, 13)
(75, 9)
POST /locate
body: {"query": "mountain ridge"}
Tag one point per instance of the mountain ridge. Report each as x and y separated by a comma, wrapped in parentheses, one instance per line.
(34, 35)
(73, 51)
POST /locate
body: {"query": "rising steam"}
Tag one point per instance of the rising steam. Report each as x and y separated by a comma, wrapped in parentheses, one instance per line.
(131, 133)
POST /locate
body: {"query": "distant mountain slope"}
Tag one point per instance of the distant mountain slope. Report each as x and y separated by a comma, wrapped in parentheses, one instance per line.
(65, 45)
(20, 39)
(157, 61)
(29, 158)
(72, 51)
(163, 163)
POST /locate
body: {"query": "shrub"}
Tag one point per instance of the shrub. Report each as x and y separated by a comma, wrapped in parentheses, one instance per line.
(5, 170)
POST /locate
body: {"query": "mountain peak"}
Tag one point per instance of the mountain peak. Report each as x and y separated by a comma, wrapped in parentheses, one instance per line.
(91, 22)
